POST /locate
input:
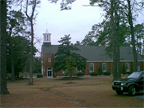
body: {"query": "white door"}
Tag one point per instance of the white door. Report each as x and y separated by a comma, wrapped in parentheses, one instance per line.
(49, 72)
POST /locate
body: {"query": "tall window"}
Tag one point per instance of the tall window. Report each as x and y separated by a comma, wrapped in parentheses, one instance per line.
(127, 67)
(104, 67)
(49, 59)
(91, 67)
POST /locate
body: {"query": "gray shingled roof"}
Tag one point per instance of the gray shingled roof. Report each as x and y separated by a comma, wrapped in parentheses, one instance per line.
(96, 53)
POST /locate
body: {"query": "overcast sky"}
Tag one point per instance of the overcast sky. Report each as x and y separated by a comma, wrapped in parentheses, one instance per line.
(77, 22)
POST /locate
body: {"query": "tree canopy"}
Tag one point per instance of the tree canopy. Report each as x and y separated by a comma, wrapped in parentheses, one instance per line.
(21, 50)
(65, 50)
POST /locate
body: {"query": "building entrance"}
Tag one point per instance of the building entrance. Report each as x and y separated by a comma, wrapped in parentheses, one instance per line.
(49, 72)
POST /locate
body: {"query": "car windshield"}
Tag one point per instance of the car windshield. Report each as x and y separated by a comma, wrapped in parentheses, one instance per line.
(134, 75)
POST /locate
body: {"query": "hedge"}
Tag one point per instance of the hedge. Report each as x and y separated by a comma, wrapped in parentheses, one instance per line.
(39, 76)
(107, 73)
(94, 74)
(80, 74)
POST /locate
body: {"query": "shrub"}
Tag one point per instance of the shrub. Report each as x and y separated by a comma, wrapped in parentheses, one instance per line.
(94, 74)
(39, 76)
(107, 73)
(80, 74)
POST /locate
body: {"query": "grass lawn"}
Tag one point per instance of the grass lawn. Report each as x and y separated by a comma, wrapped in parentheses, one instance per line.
(56, 92)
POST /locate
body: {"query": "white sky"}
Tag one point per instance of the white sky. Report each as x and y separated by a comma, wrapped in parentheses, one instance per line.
(77, 22)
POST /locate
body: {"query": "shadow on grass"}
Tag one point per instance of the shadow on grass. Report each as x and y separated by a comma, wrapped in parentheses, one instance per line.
(138, 95)
(73, 78)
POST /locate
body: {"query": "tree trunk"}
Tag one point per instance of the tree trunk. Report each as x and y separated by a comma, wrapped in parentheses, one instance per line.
(130, 19)
(30, 18)
(12, 64)
(31, 54)
(113, 40)
(3, 73)
(117, 19)
(12, 57)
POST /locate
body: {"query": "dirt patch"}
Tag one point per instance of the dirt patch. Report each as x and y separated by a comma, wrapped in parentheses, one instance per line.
(89, 92)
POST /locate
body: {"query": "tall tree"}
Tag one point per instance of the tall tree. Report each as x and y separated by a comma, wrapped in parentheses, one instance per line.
(21, 50)
(130, 20)
(31, 18)
(111, 8)
(15, 26)
(78, 43)
(88, 40)
(65, 50)
(139, 33)
(3, 17)
(70, 65)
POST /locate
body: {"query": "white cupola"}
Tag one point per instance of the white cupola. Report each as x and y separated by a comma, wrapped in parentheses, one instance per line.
(47, 38)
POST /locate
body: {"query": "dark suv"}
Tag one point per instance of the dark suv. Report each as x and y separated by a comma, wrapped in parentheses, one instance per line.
(132, 84)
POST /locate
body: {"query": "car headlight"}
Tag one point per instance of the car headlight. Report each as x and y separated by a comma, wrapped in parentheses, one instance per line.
(123, 83)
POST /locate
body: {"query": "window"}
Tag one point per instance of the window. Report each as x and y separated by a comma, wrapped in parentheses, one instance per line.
(127, 67)
(49, 59)
(104, 67)
(91, 67)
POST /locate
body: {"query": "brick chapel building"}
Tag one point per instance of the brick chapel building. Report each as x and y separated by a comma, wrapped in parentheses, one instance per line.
(96, 56)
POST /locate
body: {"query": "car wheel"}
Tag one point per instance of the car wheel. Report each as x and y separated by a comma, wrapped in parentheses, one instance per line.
(132, 90)
(119, 92)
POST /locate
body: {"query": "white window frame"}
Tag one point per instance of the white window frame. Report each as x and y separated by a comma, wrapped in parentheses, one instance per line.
(91, 64)
(127, 67)
(104, 68)
(49, 59)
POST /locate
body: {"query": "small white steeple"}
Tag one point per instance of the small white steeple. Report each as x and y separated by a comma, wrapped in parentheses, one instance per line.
(47, 37)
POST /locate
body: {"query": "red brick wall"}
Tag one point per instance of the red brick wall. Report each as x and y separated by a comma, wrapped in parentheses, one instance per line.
(109, 66)
(46, 63)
